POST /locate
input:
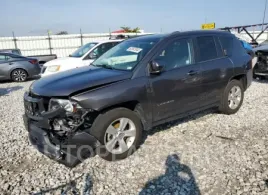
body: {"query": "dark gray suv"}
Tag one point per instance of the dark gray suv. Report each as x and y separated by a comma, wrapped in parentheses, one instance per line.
(138, 84)
(18, 68)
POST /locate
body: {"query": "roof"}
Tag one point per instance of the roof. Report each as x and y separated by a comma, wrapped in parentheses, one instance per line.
(202, 32)
(7, 49)
(5, 53)
(146, 37)
(11, 54)
(177, 33)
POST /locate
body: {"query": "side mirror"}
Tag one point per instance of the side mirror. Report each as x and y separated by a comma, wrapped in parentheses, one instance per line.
(92, 55)
(155, 67)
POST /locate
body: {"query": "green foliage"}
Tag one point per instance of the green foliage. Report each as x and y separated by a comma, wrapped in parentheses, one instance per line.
(62, 33)
(129, 30)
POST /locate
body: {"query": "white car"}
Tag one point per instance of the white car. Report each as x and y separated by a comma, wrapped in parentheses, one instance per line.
(83, 56)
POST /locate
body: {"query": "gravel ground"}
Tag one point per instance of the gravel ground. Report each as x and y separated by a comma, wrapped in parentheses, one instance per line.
(208, 153)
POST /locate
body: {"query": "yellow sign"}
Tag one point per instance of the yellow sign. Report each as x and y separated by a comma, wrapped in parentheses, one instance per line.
(208, 26)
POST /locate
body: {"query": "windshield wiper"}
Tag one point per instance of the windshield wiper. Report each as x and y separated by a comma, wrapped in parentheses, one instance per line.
(103, 66)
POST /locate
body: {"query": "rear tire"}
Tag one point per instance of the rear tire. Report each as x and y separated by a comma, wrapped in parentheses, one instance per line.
(19, 75)
(118, 141)
(232, 97)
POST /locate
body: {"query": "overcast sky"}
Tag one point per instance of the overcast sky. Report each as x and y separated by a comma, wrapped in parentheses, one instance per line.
(35, 17)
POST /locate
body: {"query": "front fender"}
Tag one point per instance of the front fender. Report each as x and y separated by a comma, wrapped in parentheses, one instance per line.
(115, 94)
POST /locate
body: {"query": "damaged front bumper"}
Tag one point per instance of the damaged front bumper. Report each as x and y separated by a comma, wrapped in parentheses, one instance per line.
(68, 150)
(261, 67)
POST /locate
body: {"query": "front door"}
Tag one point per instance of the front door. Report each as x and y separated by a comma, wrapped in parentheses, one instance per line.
(177, 88)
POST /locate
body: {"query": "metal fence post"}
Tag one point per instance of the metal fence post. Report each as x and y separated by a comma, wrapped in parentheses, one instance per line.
(49, 42)
(15, 40)
(81, 37)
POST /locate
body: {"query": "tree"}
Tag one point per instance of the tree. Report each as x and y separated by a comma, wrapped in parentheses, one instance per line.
(126, 29)
(129, 30)
(62, 33)
(136, 30)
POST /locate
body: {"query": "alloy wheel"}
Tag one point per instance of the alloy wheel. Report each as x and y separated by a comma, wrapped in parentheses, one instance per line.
(234, 97)
(120, 135)
(19, 75)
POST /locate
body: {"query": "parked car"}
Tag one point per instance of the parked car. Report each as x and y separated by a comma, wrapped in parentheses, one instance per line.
(42, 59)
(81, 57)
(261, 68)
(18, 68)
(136, 85)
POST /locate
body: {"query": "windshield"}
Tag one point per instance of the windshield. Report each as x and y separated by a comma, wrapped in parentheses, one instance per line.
(126, 55)
(82, 50)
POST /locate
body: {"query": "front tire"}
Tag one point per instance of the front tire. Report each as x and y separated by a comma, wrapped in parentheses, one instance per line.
(232, 97)
(119, 132)
(19, 75)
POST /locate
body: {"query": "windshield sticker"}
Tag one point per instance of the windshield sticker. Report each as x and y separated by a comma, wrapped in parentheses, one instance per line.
(134, 49)
(129, 68)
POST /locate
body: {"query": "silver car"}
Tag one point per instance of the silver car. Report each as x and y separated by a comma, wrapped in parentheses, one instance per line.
(18, 68)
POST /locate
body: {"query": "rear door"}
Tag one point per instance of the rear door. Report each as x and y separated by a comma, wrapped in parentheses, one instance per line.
(216, 67)
(4, 66)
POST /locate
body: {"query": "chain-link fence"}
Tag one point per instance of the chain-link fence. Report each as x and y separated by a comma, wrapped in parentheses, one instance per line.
(61, 45)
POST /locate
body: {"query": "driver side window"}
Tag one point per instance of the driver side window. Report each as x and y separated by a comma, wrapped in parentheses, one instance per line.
(177, 54)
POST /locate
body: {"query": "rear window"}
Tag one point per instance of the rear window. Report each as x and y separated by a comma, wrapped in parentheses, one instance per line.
(227, 44)
(238, 47)
(16, 52)
(207, 48)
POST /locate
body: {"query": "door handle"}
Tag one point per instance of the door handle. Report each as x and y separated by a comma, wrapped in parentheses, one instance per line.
(192, 72)
(10, 63)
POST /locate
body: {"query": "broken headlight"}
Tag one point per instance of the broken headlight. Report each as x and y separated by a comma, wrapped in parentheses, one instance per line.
(67, 105)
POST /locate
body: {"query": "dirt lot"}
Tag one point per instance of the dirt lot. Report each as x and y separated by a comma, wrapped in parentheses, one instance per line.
(208, 153)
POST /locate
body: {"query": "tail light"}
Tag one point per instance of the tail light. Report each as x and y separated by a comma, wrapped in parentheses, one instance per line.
(33, 61)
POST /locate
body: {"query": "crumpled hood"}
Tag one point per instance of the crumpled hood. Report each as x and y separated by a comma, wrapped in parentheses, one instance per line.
(75, 80)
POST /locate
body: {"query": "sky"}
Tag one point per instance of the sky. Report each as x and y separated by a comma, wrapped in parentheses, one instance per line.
(35, 17)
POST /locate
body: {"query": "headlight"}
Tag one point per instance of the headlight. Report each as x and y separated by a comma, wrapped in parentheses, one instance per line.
(53, 68)
(66, 104)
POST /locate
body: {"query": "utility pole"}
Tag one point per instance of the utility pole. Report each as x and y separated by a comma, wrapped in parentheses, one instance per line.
(264, 14)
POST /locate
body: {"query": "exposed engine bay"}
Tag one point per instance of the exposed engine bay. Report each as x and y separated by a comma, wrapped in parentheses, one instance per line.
(70, 123)
(56, 124)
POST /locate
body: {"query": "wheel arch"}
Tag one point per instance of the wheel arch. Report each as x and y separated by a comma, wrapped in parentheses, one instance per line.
(242, 78)
(17, 68)
(134, 106)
